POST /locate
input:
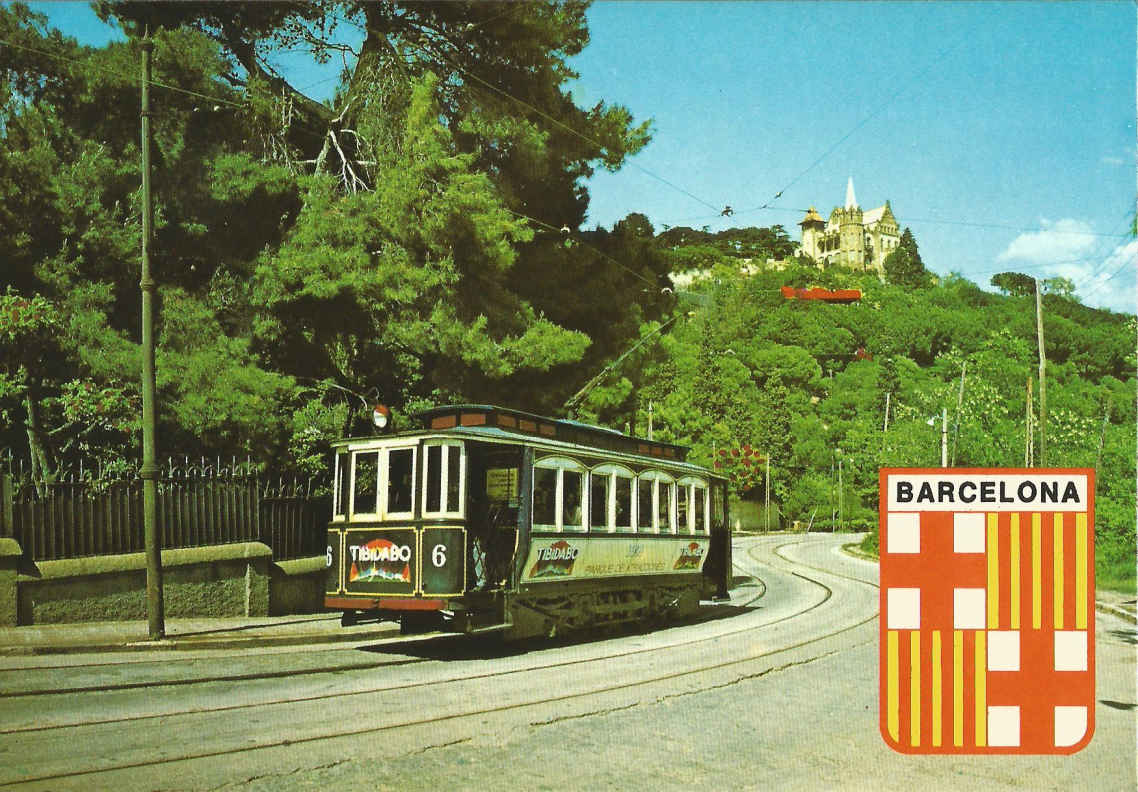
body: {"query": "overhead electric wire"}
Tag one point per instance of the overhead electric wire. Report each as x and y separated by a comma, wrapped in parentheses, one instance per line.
(859, 125)
(130, 78)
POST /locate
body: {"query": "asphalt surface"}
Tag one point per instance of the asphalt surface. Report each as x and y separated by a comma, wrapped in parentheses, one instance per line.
(777, 691)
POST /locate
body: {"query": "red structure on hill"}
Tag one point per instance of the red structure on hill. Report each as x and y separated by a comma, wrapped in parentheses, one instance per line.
(826, 295)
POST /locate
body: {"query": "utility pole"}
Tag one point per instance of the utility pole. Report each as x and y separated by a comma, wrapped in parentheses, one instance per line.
(959, 406)
(1102, 438)
(1027, 441)
(840, 493)
(767, 496)
(944, 437)
(1042, 376)
(649, 419)
(149, 470)
(833, 509)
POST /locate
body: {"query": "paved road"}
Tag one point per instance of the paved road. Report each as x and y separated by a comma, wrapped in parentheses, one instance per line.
(777, 690)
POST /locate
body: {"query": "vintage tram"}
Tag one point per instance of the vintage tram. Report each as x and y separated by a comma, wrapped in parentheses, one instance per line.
(490, 519)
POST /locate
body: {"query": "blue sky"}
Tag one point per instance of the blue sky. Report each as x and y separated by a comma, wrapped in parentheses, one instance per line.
(1002, 134)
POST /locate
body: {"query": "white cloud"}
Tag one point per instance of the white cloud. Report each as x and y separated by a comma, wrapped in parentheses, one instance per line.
(1113, 283)
(1061, 240)
(1109, 160)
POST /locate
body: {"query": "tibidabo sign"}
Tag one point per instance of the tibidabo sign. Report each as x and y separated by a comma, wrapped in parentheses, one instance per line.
(987, 610)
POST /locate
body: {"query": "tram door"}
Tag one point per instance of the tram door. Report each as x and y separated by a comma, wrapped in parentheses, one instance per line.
(495, 497)
(718, 566)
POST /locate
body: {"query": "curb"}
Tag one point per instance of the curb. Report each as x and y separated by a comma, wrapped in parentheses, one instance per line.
(174, 643)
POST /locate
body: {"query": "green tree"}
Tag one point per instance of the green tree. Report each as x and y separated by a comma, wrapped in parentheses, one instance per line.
(904, 267)
(1014, 283)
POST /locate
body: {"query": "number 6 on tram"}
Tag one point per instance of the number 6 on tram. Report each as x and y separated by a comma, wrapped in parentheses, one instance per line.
(491, 519)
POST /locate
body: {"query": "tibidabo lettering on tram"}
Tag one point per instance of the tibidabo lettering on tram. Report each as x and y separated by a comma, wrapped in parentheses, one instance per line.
(486, 518)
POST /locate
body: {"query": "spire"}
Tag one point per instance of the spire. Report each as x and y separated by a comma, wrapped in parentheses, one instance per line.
(851, 201)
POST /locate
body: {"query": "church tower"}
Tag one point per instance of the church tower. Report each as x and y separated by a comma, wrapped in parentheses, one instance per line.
(851, 232)
(813, 233)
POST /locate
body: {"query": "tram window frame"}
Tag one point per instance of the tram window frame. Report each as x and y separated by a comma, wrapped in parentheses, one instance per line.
(561, 465)
(705, 500)
(385, 482)
(669, 513)
(342, 486)
(656, 477)
(380, 467)
(446, 463)
(630, 505)
(691, 485)
(610, 473)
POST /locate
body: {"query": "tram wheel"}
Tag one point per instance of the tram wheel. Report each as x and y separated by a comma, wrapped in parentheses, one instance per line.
(348, 618)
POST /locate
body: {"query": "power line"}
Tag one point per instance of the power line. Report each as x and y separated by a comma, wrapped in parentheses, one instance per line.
(858, 126)
(132, 79)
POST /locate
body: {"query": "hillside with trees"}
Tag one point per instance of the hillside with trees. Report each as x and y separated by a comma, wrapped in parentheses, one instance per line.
(746, 373)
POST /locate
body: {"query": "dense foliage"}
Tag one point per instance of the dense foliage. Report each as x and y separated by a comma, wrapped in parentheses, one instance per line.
(751, 373)
(414, 239)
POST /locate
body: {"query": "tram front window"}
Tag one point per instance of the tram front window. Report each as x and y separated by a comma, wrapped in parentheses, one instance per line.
(400, 467)
(366, 484)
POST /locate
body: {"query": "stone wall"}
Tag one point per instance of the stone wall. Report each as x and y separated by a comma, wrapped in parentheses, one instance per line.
(218, 580)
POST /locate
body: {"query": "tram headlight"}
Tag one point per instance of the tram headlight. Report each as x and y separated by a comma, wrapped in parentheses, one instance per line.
(381, 417)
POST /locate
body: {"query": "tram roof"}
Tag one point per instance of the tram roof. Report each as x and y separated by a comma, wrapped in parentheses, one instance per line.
(519, 422)
(516, 424)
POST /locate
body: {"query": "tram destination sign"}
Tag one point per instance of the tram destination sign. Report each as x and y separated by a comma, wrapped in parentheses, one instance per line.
(987, 610)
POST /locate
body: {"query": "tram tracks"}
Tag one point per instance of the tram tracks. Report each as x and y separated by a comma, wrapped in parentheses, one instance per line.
(459, 708)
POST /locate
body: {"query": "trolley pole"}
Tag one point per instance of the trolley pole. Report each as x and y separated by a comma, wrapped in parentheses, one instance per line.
(149, 471)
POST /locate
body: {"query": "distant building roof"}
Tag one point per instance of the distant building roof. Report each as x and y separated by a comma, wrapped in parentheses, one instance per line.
(873, 215)
(812, 216)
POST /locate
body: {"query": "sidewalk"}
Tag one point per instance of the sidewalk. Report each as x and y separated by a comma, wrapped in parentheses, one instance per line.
(189, 634)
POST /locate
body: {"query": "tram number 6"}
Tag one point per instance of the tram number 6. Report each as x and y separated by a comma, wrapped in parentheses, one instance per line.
(328, 557)
(439, 555)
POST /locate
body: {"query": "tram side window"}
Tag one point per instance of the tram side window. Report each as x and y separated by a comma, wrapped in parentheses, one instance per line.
(400, 479)
(699, 505)
(545, 497)
(573, 487)
(664, 522)
(343, 482)
(717, 497)
(623, 497)
(365, 489)
(644, 505)
(682, 494)
(599, 485)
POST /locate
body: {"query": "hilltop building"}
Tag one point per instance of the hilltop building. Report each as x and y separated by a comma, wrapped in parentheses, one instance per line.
(852, 237)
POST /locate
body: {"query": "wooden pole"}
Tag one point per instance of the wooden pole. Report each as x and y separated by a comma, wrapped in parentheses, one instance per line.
(1042, 376)
(885, 428)
(767, 496)
(944, 437)
(959, 407)
(1101, 439)
(1029, 428)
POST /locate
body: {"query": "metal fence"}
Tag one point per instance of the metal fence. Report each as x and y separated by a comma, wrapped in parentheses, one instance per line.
(85, 518)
